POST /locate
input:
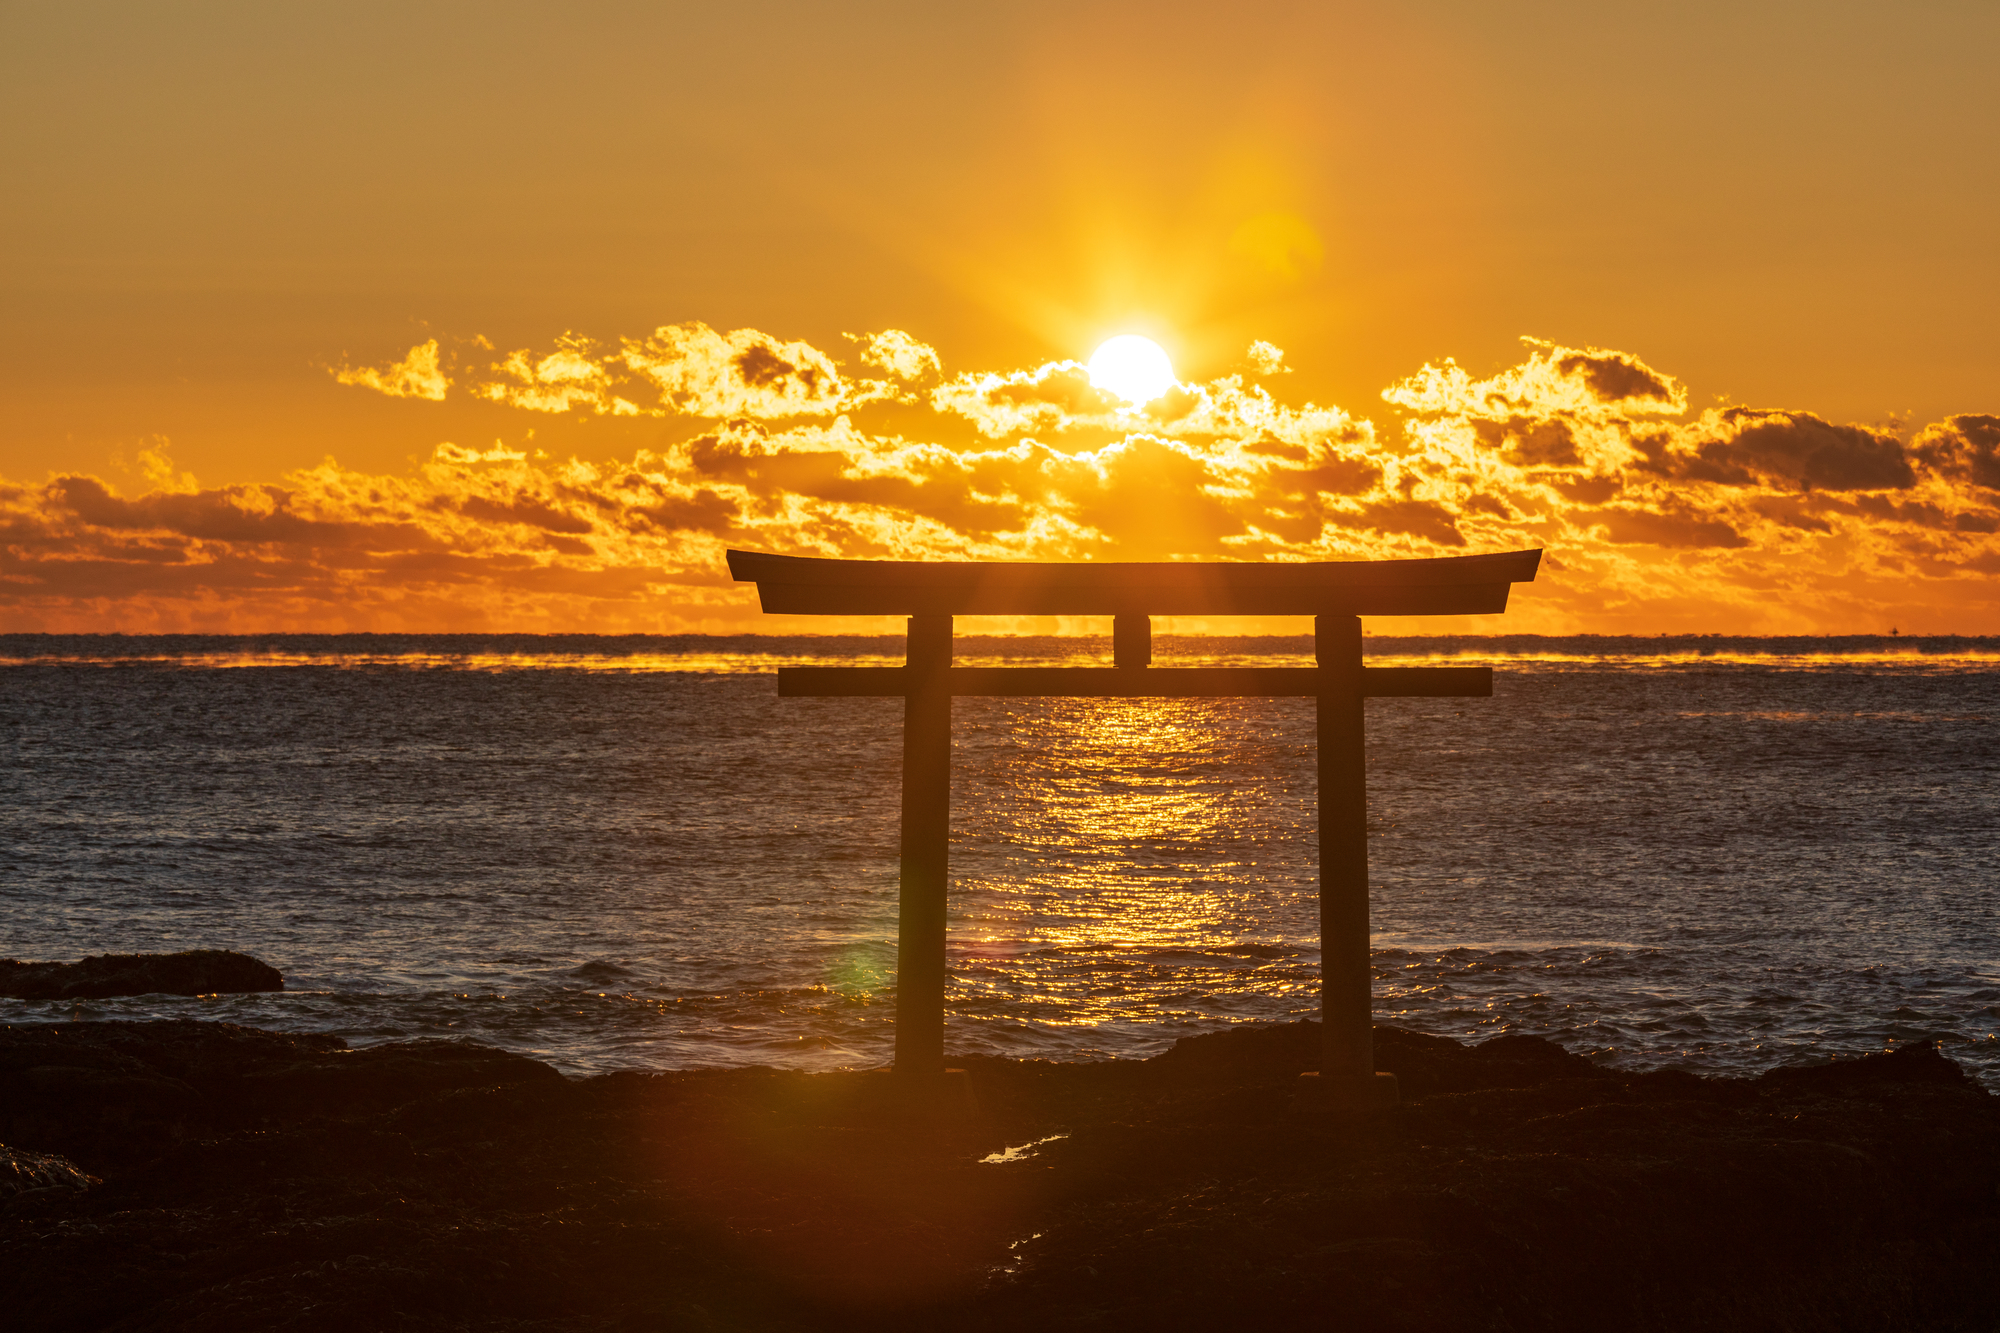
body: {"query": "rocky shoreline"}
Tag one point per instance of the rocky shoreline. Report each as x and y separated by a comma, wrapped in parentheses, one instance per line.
(181, 1175)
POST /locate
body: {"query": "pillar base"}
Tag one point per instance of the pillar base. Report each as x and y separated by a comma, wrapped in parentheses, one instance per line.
(1377, 1092)
(944, 1096)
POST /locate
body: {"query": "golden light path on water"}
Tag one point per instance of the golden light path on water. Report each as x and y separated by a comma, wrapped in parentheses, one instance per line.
(1137, 790)
(1103, 846)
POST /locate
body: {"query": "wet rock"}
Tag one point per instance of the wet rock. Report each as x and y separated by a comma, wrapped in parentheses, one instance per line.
(117, 1093)
(196, 972)
(1254, 1050)
(29, 1173)
(201, 1059)
(1679, 1085)
(379, 1078)
(1426, 1066)
(600, 972)
(1520, 1061)
(1910, 1064)
(1422, 1064)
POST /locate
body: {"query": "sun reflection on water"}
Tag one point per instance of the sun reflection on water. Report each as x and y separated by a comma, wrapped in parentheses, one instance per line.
(1125, 861)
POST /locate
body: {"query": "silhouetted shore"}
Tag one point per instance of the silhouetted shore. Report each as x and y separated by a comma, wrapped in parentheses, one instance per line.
(255, 1180)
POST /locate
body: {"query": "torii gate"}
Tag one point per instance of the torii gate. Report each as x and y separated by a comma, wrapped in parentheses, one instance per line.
(1335, 594)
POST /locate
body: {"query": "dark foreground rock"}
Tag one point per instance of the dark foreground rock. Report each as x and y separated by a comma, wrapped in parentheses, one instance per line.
(196, 972)
(256, 1180)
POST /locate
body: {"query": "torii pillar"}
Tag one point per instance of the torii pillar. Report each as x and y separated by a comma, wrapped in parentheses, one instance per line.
(1346, 1018)
(1336, 594)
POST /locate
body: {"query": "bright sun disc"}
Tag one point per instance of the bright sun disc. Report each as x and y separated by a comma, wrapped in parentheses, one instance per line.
(1134, 368)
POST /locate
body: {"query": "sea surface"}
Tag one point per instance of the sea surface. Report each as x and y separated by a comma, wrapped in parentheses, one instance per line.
(1718, 854)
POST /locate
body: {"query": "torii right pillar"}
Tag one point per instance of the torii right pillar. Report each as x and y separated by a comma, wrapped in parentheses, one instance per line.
(1347, 1077)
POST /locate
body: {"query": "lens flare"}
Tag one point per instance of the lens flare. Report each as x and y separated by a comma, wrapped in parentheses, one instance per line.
(1134, 368)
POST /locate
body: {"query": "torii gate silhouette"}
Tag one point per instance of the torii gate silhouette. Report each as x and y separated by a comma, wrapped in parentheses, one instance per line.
(1336, 594)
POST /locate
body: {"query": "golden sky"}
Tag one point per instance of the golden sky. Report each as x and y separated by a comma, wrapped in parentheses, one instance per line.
(512, 317)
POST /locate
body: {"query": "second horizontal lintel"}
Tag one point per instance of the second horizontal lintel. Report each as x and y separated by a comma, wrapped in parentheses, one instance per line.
(1134, 683)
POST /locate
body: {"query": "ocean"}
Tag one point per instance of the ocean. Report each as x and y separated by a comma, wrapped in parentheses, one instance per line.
(1716, 854)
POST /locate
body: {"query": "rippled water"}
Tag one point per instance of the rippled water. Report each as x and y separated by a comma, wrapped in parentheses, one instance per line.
(605, 858)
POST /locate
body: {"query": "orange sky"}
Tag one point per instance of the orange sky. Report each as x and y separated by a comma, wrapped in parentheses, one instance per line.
(1755, 243)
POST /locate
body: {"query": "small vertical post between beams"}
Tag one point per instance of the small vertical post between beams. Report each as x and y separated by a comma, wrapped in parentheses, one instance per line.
(926, 849)
(1346, 1022)
(1131, 642)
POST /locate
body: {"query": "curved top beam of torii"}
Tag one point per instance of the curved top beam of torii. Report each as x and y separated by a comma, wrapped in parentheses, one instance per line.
(1445, 585)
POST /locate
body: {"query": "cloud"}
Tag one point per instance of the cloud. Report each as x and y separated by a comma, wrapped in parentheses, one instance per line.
(1962, 449)
(1742, 447)
(699, 372)
(570, 376)
(1735, 518)
(1266, 359)
(1590, 383)
(415, 376)
(1049, 399)
(896, 353)
(1616, 378)
(1646, 527)
(677, 370)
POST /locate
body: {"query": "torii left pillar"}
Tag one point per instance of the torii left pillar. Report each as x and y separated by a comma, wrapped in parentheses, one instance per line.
(1347, 1076)
(926, 849)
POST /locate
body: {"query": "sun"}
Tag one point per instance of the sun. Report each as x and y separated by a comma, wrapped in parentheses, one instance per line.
(1134, 368)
